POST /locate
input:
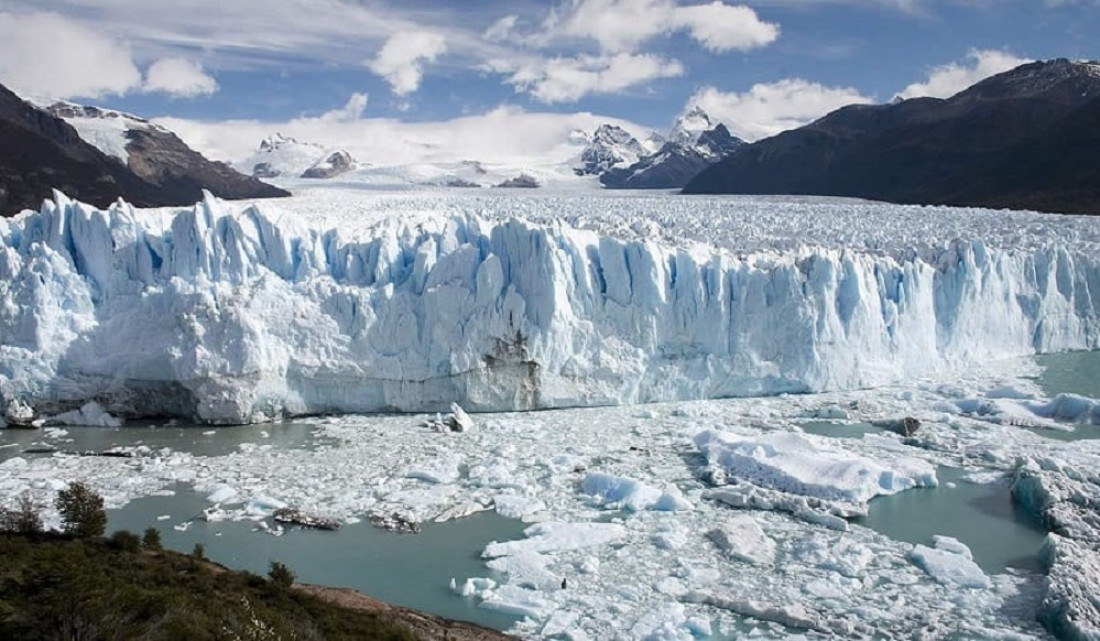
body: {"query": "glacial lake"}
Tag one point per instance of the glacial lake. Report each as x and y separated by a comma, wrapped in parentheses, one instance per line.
(999, 534)
(415, 570)
(1070, 373)
(412, 570)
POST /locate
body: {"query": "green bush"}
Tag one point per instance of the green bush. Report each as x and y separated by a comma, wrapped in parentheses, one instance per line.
(82, 513)
(126, 541)
(150, 540)
(199, 551)
(280, 575)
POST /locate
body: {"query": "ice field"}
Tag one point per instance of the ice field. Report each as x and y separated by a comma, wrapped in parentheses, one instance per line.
(691, 353)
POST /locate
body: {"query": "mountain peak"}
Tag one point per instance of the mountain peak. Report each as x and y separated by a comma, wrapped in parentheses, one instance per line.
(1066, 82)
(611, 145)
(690, 126)
(275, 141)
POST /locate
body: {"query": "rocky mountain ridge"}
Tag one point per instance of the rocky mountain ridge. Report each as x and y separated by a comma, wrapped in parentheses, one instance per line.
(147, 165)
(661, 162)
(1022, 139)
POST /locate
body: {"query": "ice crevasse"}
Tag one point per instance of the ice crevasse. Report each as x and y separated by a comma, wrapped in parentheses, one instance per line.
(233, 315)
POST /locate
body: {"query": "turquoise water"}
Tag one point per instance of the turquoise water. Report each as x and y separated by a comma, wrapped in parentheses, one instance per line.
(413, 570)
(983, 516)
(837, 429)
(1070, 372)
(200, 441)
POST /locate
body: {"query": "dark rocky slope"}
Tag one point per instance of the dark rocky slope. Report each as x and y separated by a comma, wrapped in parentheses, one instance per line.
(40, 152)
(1024, 139)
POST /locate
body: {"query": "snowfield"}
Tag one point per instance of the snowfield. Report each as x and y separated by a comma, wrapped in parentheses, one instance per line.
(344, 301)
(709, 514)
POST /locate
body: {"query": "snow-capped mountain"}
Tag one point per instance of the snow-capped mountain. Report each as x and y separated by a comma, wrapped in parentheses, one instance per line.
(286, 157)
(688, 127)
(693, 144)
(100, 155)
(104, 129)
(610, 146)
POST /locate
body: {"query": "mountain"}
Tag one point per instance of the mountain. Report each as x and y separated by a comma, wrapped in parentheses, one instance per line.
(1023, 139)
(693, 144)
(177, 173)
(610, 146)
(283, 156)
(40, 152)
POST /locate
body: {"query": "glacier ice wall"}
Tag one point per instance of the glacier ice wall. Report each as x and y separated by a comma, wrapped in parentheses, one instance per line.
(229, 316)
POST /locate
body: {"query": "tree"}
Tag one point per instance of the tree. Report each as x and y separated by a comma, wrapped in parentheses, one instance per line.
(199, 552)
(280, 575)
(82, 513)
(151, 539)
(24, 519)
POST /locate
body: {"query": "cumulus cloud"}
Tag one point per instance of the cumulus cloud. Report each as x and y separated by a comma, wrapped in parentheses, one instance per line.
(350, 112)
(622, 25)
(569, 79)
(947, 80)
(767, 109)
(401, 60)
(47, 55)
(179, 77)
(721, 27)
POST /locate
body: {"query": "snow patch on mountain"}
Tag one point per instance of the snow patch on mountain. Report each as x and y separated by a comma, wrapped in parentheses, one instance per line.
(104, 129)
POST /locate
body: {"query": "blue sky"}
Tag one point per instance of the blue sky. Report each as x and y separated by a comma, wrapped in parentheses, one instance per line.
(759, 65)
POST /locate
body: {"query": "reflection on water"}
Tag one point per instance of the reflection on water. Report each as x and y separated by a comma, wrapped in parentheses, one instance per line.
(982, 516)
(413, 570)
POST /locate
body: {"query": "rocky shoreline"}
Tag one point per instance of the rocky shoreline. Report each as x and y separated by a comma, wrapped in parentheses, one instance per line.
(428, 627)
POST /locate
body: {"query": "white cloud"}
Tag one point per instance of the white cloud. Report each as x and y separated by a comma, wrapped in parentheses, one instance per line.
(350, 112)
(767, 109)
(721, 27)
(501, 29)
(947, 80)
(505, 135)
(179, 77)
(401, 60)
(569, 79)
(623, 25)
(47, 55)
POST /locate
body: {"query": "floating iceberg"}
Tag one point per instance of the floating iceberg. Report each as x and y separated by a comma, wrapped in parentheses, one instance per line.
(790, 463)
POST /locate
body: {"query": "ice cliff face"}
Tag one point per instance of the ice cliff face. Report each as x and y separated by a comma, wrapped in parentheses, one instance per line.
(235, 316)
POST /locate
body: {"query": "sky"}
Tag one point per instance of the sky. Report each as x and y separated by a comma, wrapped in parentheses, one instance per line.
(223, 73)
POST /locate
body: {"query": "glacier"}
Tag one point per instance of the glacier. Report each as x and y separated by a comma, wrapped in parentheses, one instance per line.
(227, 313)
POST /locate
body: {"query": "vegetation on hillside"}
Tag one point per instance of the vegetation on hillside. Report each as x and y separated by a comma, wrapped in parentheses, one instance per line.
(78, 585)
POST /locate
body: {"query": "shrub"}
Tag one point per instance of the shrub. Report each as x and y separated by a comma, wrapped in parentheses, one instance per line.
(280, 575)
(150, 540)
(82, 513)
(24, 519)
(199, 552)
(126, 541)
